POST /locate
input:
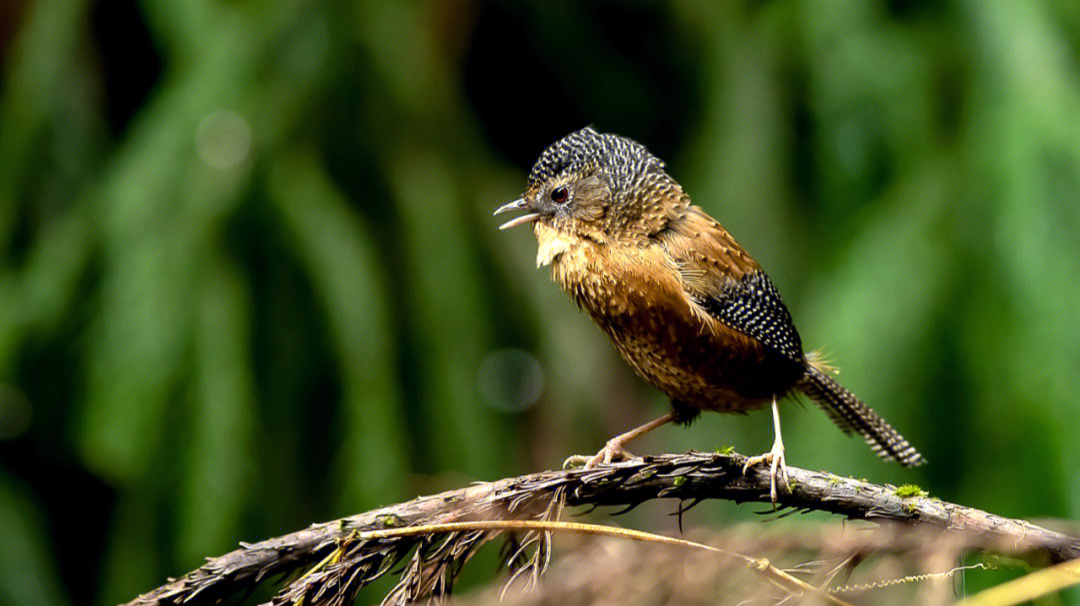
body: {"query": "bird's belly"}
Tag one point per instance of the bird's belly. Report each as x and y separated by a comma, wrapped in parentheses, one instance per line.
(638, 300)
(707, 369)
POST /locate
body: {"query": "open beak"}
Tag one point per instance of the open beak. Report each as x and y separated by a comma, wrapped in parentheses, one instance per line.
(519, 204)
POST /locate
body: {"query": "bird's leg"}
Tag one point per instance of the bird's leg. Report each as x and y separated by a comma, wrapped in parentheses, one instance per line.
(775, 457)
(614, 449)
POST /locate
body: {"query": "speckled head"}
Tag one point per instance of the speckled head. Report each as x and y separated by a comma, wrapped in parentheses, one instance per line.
(592, 183)
(586, 151)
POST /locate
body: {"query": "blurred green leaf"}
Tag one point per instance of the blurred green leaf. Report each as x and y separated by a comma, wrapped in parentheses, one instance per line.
(27, 573)
(338, 253)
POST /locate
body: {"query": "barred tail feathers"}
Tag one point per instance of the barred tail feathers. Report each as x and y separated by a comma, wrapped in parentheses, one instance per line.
(851, 414)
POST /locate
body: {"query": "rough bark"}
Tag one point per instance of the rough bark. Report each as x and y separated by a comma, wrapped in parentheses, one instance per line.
(689, 478)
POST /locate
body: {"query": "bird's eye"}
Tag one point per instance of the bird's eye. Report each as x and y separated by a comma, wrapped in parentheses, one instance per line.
(559, 195)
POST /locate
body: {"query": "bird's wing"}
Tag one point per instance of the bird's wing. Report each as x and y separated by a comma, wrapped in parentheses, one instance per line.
(722, 279)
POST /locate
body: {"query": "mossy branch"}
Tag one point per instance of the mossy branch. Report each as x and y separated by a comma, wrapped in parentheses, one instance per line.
(348, 560)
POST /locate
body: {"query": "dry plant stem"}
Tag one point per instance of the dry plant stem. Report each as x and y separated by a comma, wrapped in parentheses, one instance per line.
(688, 477)
(785, 581)
(1030, 587)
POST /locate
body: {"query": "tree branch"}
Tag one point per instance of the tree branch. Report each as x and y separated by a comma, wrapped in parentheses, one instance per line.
(688, 477)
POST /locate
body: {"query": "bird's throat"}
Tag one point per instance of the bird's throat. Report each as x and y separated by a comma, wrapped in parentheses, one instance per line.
(551, 243)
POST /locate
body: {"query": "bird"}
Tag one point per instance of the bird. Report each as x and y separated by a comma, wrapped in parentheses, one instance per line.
(687, 307)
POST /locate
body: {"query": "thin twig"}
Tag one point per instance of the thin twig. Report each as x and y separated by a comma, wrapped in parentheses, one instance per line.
(1029, 587)
(782, 579)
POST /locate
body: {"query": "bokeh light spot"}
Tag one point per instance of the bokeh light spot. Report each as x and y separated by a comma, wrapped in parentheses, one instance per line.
(510, 380)
(223, 139)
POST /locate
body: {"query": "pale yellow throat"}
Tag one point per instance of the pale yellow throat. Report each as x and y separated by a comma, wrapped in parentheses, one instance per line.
(550, 243)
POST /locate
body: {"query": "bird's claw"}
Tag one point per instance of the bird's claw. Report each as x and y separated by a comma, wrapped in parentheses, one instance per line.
(777, 463)
(612, 451)
(575, 461)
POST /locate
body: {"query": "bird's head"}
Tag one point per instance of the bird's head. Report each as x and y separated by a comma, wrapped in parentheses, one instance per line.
(598, 186)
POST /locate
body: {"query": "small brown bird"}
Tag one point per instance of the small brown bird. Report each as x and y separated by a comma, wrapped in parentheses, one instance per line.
(686, 306)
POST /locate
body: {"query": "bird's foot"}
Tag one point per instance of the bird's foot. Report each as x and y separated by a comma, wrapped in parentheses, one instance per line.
(575, 461)
(777, 466)
(612, 451)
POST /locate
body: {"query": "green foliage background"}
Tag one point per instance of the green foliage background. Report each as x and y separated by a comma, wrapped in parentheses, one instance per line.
(264, 292)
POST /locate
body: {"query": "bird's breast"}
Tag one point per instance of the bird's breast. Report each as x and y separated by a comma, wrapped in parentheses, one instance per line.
(635, 294)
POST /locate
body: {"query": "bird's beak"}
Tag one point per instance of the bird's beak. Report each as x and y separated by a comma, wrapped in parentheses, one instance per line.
(519, 204)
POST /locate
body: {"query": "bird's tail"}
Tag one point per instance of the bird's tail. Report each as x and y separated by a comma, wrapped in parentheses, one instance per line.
(850, 414)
